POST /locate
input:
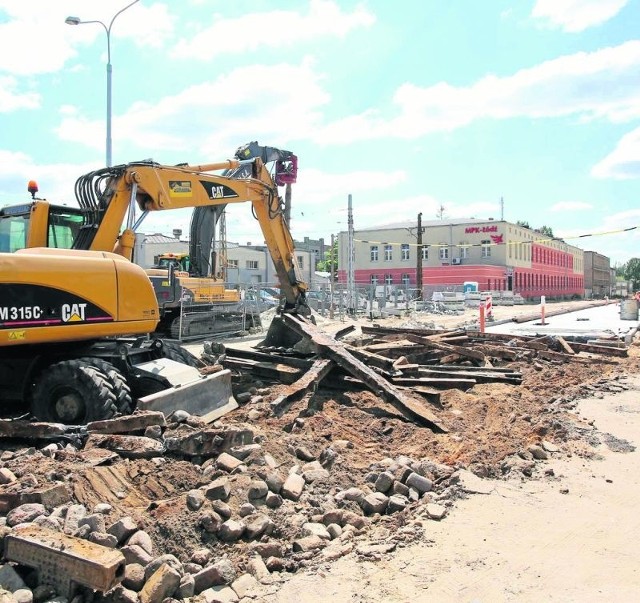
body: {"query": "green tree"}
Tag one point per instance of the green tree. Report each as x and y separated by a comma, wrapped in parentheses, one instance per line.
(523, 224)
(546, 230)
(330, 257)
(632, 272)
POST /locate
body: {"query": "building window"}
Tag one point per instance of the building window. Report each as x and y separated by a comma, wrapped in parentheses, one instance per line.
(252, 264)
(301, 262)
(405, 279)
(404, 251)
(388, 253)
(464, 253)
(388, 279)
(374, 279)
(486, 249)
(444, 253)
(374, 253)
(232, 263)
(425, 252)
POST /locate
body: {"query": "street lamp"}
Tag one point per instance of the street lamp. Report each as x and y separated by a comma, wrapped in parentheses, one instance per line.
(78, 21)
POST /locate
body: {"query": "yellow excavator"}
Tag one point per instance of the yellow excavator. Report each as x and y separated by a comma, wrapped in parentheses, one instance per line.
(73, 322)
(212, 307)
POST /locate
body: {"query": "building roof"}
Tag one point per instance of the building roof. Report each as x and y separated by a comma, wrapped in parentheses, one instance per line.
(426, 223)
(160, 238)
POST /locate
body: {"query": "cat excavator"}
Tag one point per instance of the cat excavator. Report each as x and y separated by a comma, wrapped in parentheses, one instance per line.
(74, 323)
(213, 308)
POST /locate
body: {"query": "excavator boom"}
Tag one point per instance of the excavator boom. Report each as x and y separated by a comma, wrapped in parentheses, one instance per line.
(109, 196)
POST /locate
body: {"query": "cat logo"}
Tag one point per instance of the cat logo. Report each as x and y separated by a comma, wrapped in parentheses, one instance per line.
(17, 335)
(73, 312)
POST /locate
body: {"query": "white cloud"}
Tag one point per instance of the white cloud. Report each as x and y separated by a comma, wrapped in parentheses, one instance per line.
(576, 15)
(600, 84)
(569, 206)
(11, 99)
(624, 161)
(213, 117)
(276, 28)
(56, 180)
(36, 40)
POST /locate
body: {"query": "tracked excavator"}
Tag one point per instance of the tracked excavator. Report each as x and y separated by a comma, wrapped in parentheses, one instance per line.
(73, 323)
(212, 307)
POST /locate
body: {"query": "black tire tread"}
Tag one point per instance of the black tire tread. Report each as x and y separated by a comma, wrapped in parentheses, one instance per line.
(174, 351)
(96, 385)
(124, 401)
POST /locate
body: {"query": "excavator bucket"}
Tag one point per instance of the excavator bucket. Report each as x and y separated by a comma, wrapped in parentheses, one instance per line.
(206, 396)
(279, 335)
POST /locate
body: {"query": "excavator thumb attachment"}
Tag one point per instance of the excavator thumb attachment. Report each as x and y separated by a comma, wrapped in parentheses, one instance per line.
(206, 396)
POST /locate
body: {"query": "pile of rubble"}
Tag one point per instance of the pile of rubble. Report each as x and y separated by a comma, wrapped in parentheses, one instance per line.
(345, 448)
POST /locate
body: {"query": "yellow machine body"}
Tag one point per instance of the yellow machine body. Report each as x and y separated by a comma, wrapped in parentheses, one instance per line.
(56, 295)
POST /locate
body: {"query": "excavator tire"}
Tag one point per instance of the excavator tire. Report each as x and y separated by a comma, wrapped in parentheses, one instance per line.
(174, 351)
(124, 401)
(73, 393)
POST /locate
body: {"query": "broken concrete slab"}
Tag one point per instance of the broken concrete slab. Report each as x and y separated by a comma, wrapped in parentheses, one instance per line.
(138, 421)
(127, 446)
(208, 442)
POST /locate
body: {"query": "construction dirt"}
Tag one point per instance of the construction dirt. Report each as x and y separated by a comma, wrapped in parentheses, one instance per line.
(348, 437)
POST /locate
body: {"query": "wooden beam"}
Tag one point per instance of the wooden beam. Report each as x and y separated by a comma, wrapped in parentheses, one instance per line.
(268, 370)
(408, 406)
(446, 347)
(454, 383)
(309, 381)
(564, 345)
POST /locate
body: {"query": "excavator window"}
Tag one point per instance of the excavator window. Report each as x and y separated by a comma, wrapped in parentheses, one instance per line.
(13, 232)
(63, 225)
(63, 228)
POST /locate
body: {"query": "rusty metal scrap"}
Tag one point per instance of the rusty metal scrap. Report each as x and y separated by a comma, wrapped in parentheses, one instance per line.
(64, 561)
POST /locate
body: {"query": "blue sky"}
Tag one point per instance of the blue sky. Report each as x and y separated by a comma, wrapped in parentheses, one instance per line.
(409, 107)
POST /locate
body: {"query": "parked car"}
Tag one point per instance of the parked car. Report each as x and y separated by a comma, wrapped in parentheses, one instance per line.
(260, 299)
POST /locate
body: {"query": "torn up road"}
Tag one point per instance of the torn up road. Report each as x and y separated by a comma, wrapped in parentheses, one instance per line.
(347, 446)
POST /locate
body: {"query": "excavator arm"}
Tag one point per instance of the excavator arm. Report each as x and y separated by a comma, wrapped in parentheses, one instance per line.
(109, 197)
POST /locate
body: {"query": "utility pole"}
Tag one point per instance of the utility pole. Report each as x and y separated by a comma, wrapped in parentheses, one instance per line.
(419, 259)
(351, 279)
(332, 258)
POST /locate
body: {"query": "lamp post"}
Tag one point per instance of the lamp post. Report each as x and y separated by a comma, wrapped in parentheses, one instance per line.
(78, 21)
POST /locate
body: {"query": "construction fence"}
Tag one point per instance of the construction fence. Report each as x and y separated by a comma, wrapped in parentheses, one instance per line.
(241, 309)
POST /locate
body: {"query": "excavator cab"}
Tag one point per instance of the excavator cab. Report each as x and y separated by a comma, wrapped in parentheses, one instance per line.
(38, 224)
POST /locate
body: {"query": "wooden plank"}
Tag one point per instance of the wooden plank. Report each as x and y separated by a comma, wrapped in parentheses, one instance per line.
(378, 330)
(408, 406)
(456, 383)
(480, 377)
(446, 347)
(479, 369)
(270, 357)
(508, 353)
(309, 381)
(564, 345)
(600, 349)
(340, 333)
(392, 348)
(430, 394)
(372, 359)
(279, 372)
